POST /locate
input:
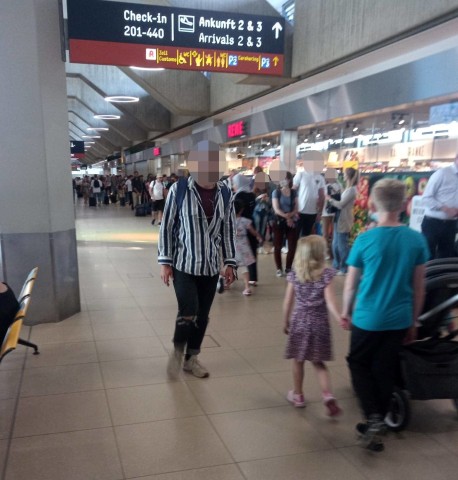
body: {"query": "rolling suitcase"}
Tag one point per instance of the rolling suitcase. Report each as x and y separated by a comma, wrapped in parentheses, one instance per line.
(122, 201)
(92, 202)
(140, 210)
(113, 198)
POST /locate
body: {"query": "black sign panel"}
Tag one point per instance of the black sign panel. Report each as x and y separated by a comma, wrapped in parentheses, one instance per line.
(76, 148)
(165, 26)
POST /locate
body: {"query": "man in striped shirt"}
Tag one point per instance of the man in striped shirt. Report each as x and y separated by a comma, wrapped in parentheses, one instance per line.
(198, 226)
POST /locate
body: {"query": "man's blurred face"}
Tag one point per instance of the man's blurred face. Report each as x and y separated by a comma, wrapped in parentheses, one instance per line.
(205, 167)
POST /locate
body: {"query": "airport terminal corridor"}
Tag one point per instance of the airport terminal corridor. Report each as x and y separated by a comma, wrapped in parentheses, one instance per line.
(97, 403)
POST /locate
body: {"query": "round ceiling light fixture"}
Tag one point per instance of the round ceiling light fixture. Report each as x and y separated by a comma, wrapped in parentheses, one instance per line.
(122, 99)
(150, 69)
(107, 117)
(97, 129)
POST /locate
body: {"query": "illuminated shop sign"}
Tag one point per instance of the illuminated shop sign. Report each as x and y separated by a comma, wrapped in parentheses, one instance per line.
(128, 34)
(237, 129)
(157, 151)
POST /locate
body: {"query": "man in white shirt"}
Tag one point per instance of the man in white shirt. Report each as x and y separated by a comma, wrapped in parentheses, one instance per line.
(441, 201)
(128, 186)
(311, 194)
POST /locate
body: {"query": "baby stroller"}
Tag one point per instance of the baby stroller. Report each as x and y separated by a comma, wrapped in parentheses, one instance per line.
(429, 366)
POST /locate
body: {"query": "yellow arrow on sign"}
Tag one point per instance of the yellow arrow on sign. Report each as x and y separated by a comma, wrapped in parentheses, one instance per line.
(276, 60)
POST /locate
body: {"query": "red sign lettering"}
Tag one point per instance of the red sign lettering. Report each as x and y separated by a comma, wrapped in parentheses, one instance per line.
(237, 129)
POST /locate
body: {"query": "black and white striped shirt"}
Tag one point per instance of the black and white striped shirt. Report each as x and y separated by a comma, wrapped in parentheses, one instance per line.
(188, 242)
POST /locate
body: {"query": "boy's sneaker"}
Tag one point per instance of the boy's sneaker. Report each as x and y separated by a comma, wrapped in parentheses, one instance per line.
(279, 273)
(331, 404)
(195, 367)
(220, 287)
(174, 364)
(297, 399)
(371, 432)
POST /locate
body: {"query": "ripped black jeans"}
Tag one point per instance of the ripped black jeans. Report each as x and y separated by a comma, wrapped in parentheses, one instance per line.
(195, 296)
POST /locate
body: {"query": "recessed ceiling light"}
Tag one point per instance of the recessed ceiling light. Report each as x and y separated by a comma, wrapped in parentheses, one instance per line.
(90, 136)
(87, 143)
(107, 117)
(98, 129)
(122, 99)
(151, 69)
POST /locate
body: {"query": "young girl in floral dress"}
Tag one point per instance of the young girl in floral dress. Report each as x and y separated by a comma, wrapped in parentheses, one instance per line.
(310, 292)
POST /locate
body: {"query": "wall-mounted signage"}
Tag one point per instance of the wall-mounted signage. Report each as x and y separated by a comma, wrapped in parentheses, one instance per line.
(157, 151)
(76, 149)
(128, 34)
(237, 129)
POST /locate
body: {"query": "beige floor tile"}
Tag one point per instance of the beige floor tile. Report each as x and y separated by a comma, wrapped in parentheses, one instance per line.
(326, 465)
(254, 337)
(130, 373)
(15, 359)
(61, 379)
(400, 460)
(432, 449)
(71, 331)
(266, 359)
(151, 300)
(232, 394)
(448, 440)
(9, 381)
(129, 348)
(148, 403)
(89, 454)
(223, 472)
(256, 434)
(179, 444)
(110, 303)
(61, 413)
(121, 330)
(283, 381)
(107, 292)
(222, 363)
(132, 314)
(54, 354)
(433, 416)
(6, 417)
(3, 450)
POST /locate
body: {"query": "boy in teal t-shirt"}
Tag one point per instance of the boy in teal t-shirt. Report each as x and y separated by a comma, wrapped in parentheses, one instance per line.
(383, 297)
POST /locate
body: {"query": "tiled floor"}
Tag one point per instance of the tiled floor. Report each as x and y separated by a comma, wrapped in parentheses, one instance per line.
(97, 403)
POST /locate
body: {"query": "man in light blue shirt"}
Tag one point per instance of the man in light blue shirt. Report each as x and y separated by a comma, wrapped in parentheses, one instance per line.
(441, 201)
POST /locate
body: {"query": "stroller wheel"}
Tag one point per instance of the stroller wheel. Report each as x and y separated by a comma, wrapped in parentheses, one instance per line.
(398, 415)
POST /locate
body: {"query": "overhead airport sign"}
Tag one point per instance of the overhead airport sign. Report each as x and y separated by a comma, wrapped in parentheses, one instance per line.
(128, 34)
(76, 149)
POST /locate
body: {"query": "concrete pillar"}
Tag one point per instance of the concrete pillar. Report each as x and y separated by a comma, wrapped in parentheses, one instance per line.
(37, 226)
(287, 160)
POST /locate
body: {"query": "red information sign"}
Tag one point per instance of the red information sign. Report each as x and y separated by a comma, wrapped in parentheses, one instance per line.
(207, 60)
(157, 151)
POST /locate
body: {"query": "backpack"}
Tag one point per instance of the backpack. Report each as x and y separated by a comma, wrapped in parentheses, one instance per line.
(182, 187)
(96, 184)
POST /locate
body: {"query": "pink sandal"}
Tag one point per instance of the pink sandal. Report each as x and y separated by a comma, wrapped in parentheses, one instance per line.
(331, 404)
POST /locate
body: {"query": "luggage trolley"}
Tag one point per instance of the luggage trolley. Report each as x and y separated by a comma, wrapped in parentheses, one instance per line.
(429, 366)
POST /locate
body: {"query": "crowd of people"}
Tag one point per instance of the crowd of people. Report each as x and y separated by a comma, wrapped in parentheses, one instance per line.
(128, 190)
